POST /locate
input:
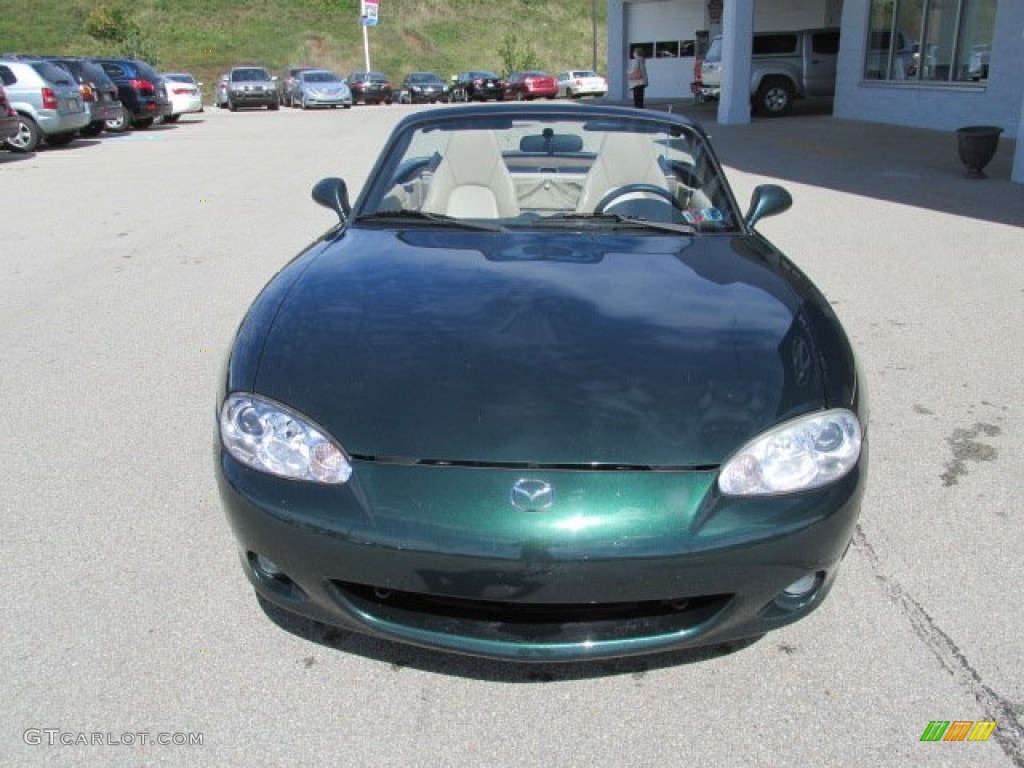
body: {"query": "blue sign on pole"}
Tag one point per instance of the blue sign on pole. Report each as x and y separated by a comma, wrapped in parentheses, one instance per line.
(368, 16)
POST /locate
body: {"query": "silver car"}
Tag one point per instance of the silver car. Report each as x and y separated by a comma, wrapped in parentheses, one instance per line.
(252, 87)
(48, 102)
(321, 88)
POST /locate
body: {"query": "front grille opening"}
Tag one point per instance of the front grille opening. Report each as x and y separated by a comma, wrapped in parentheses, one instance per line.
(408, 461)
(532, 622)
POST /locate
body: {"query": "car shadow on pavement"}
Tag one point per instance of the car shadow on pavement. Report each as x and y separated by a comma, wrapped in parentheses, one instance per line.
(10, 156)
(906, 166)
(399, 656)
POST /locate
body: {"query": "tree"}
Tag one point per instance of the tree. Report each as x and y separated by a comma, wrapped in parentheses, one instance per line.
(515, 56)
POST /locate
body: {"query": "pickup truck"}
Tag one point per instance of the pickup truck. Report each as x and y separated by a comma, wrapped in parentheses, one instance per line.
(785, 66)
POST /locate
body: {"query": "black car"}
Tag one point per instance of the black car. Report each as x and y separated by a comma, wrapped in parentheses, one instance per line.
(141, 91)
(544, 393)
(422, 88)
(478, 85)
(370, 88)
(99, 93)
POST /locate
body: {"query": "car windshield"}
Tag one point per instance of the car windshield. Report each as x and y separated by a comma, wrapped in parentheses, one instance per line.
(320, 77)
(180, 78)
(549, 169)
(424, 78)
(243, 75)
(714, 53)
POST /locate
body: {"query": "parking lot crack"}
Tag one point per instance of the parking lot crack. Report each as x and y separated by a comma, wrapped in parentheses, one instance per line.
(1009, 732)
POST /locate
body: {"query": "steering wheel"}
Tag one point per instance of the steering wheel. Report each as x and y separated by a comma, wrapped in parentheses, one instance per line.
(628, 189)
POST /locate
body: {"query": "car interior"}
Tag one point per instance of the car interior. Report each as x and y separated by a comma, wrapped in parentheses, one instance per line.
(471, 175)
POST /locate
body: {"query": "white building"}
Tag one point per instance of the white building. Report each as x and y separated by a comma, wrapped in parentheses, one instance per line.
(939, 64)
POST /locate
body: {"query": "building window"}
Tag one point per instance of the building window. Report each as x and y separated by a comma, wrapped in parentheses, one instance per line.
(666, 48)
(934, 41)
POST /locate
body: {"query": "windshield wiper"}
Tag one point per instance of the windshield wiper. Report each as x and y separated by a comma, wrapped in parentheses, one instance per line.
(620, 222)
(408, 216)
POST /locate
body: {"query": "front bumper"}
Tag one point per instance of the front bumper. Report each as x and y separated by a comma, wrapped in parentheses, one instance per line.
(375, 97)
(486, 94)
(704, 92)
(427, 97)
(623, 563)
(253, 98)
(322, 100)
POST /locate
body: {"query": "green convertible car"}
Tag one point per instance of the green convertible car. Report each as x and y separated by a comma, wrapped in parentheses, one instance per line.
(543, 394)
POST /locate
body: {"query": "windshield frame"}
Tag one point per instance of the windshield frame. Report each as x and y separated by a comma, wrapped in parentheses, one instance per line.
(406, 158)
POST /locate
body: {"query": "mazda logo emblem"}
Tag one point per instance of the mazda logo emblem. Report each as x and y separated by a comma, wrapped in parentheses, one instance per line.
(532, 495)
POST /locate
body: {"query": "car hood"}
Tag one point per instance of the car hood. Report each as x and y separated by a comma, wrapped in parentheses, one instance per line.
(543, 349)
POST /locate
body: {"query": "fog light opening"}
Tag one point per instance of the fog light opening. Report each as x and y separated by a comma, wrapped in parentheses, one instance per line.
(267, 568)
(803, 586)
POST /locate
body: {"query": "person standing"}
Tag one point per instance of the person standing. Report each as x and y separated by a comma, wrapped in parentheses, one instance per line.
(636, 74)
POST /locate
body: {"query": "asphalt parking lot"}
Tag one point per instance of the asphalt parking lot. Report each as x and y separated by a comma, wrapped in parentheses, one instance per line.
(125, 265)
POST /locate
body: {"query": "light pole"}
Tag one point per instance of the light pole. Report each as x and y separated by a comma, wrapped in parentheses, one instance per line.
(593, 21)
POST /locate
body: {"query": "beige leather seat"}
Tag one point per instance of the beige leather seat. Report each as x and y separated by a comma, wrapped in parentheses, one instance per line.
(471, 181)
(624, 158)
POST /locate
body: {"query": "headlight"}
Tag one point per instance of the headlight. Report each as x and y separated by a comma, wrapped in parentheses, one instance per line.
(805, 453)
(269, 437)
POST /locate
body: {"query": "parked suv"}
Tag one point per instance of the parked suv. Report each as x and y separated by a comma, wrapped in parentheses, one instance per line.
(785, 66)
(47, 100)
(141, 91)
(99, 92)
(252, 87)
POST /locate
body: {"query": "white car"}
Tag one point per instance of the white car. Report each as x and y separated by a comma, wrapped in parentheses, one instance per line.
(581, 82)
(184, 93)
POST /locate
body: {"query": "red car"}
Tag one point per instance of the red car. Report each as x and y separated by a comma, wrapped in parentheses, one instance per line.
(9, 123)
(530, 84)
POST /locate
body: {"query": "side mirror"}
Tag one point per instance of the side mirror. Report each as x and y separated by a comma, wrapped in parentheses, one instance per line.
(767, 200)
(333, 193)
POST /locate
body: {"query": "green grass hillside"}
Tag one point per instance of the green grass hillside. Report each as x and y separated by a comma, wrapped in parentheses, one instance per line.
(208, 36)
